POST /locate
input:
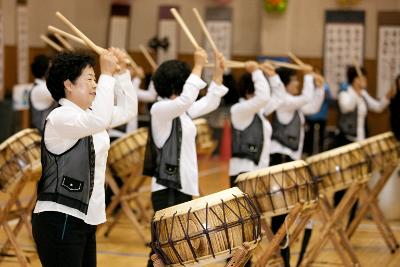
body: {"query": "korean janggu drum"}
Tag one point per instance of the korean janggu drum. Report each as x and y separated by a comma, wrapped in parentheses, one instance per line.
(206, 229)
(382, 150)
(126, 154)
(338, 168)
(20, 157)
(277, 189)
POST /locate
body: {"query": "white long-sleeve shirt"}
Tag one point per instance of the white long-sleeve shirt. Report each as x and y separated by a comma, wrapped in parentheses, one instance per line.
(41, 98)
(145, 96)
(309, 102)
(349, 100)
(69, 123)
(184, 106)
(242, 114)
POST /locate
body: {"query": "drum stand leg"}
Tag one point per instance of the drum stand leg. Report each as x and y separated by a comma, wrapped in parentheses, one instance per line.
(240, 257)
(332, 229)
(273, 246)
(10, 233)
(120, 198)
(157, 261)
(369, 198)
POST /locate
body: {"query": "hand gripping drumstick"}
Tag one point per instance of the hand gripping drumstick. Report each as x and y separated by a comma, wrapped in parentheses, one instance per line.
(184, 27)
(88, 42)
(51, 43)
(64, 42)
(148, 57)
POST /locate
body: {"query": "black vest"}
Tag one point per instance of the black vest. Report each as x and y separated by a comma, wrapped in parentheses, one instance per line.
(68, 178)
(163, 163)
(287, 135)
(249, 142)
(347, 122)
(38, 117)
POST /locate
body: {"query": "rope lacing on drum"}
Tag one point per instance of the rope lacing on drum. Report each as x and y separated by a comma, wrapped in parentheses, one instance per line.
(250, 208)
(186, 233)
(170, 241)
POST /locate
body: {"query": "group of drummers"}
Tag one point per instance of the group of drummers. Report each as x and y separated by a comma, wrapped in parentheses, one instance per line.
(74, 113)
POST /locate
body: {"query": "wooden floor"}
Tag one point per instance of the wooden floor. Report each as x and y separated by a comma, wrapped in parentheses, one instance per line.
(124, 248)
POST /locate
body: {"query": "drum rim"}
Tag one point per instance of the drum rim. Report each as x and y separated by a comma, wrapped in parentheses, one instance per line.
(199, 203)
(376, 138)
(272, 170)
(14, 137)
(335, 152)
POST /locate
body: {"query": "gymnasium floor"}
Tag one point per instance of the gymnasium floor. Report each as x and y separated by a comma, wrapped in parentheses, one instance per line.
(124, 248)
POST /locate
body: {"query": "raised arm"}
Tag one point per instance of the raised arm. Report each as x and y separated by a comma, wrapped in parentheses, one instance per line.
(373, 104)
(215, 92)
(172, 108)
(314, 105)
(246, 109)
(147, 96)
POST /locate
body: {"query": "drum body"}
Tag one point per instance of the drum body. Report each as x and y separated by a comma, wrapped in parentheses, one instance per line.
(20, 157)
(206, 229)
(382, 151)
(338, 168)
(126, 154)
(277, 189)
(205, 145)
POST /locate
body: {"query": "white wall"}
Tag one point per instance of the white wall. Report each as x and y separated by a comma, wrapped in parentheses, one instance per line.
(91, 16)
(300, 28)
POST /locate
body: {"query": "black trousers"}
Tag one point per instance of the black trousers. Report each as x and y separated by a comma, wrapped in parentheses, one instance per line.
(63, 240)
(277, 221)
(341, 140)
(163, 199)
(312, 133)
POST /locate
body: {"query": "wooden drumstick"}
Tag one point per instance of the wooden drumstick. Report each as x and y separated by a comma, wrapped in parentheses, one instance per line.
(357, 66)
(148, 57)
(64, 42)
(130, 60)
(51, 43)
(284, 64)
(66, 35)
(184, 27)
(88, 42)
(296, 59)
(205, 30)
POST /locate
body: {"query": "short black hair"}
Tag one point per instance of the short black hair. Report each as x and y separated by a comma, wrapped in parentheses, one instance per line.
(352, 73)
(285, 74)
(40, 66)
(246, 85)
(66, 66)
(170, 77)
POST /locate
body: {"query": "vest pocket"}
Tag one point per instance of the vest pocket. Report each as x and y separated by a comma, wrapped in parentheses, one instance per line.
(252, 148)
(71, 184)
(170, 169)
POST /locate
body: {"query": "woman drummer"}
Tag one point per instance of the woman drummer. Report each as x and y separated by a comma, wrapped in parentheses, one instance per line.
(290, 106)
(74, 148)
(171, 151)
(251, 131)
